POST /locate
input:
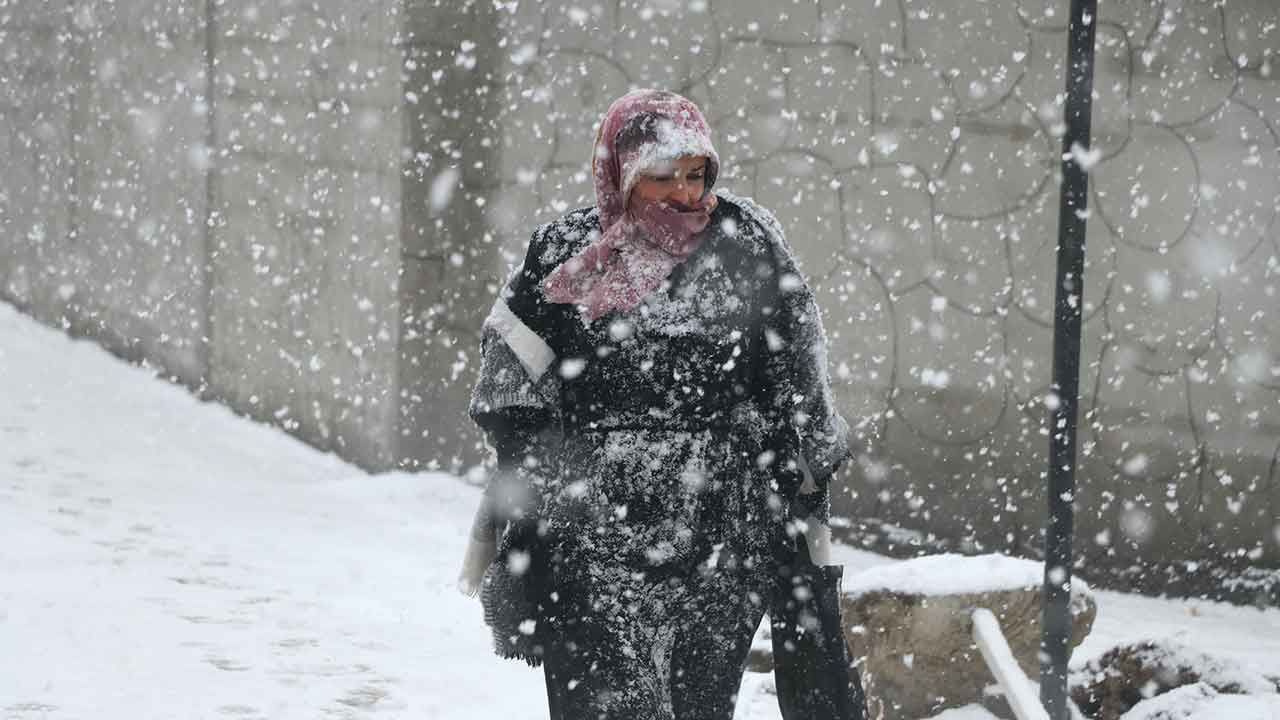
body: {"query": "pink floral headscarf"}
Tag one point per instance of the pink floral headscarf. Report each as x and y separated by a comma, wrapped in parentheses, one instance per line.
(639, 244)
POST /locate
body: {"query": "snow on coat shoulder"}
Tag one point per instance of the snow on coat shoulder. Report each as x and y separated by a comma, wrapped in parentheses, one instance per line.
(760, 216)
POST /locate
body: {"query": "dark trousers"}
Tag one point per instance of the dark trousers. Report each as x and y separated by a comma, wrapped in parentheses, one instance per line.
(691, 670)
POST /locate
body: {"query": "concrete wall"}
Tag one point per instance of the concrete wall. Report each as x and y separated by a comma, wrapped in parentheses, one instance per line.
(240, 228)
(313, 232)
(103, 201)
(451, 262)
(305, 256)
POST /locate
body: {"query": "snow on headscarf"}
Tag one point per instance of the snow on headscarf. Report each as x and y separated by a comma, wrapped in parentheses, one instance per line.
(639, 244)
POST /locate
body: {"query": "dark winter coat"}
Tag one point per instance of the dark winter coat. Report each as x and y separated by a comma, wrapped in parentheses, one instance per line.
(738, 322)
(683, 430)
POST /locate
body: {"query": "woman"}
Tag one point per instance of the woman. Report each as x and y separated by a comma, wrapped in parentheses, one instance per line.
(654, 381)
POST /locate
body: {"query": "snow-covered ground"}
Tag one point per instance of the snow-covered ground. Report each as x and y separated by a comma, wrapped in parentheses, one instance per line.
(162, 558)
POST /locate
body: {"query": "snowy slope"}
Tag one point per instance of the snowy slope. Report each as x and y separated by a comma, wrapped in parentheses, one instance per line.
(162, 558)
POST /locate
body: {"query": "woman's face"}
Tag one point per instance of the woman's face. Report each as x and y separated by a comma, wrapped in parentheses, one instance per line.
(681, 183)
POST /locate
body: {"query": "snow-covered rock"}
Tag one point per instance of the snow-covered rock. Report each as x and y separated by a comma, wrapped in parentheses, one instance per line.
(910, 629)
(1199, 701)
(1131, 676)
(952, 574)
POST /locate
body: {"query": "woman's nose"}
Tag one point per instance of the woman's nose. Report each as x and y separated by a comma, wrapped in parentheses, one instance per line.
(685, 193)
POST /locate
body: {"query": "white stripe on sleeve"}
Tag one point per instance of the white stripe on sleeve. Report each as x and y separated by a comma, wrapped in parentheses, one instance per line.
(533, 352)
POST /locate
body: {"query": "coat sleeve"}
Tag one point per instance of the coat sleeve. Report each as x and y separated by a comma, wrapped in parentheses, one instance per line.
(516, 402)
(794, 385)
(518, 384)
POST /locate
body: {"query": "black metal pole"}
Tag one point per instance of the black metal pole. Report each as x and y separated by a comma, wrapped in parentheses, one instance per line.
(1068, 309)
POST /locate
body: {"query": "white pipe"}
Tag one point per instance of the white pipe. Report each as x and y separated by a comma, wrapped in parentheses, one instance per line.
(995, 650)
